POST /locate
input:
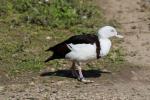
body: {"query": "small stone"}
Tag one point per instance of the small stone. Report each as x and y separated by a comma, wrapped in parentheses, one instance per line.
(134, 78)
(105, 71)
(32, 83)
(133, 27)
(84, 17)
(52, 69)
(46, 0)
(48, 38)
(55, 91)
(77, 86)
(52, 81)
(40, 2)
(1, 88)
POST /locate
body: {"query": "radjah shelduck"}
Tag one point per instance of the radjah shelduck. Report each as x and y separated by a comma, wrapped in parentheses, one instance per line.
(81, 48)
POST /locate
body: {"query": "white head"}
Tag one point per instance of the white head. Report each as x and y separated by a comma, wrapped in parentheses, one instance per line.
(107, 32)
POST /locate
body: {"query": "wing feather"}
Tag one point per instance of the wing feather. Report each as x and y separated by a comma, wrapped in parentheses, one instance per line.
(61, 49)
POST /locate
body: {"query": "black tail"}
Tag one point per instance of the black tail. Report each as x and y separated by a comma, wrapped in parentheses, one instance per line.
(48, 59)
(49, 49)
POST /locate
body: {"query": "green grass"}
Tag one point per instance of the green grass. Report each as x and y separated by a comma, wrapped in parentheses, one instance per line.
(25, 25)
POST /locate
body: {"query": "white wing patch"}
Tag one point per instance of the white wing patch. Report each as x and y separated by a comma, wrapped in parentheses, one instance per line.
(81, 52)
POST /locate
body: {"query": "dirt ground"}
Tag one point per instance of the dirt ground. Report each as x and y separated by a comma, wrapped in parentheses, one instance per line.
(134, 18)
(131, 83)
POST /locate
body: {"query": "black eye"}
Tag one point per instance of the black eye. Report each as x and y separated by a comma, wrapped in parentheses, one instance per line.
(112, 30)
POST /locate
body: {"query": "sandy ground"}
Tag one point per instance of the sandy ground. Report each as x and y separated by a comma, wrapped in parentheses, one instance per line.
(131, 83)
(128, 84)
(134, 17)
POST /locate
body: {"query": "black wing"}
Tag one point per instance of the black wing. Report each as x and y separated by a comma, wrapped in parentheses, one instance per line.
(61, 49)
(79, 39)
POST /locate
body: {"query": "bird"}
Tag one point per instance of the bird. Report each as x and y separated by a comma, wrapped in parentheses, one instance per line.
(84, 47)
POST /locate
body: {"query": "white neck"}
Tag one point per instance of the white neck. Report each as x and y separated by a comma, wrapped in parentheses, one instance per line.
(105, 45)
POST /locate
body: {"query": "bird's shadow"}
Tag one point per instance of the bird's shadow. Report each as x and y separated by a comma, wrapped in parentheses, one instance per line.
(67, 73)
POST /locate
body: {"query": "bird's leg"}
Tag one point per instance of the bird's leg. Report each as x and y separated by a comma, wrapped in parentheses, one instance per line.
(81, 77)
(73, 70)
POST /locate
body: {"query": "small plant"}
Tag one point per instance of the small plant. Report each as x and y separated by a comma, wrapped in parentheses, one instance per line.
(53, 13)
(116, 56)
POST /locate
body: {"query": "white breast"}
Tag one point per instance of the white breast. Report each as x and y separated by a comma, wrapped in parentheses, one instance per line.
(105, 46)
(81, 52)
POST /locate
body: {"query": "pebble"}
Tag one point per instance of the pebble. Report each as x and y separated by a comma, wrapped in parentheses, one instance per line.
(1, 88)
(134, 78)
(48, 38)
(32, 83)
(52, 69)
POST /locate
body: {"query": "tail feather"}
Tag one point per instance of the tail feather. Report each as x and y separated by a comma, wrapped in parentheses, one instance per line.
(49, 49)
(48, 59)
